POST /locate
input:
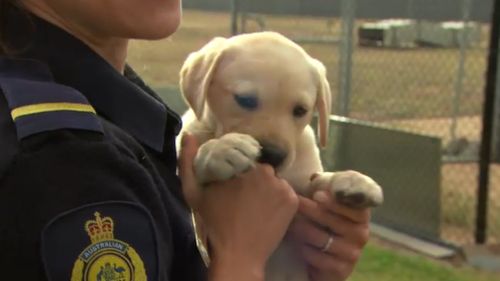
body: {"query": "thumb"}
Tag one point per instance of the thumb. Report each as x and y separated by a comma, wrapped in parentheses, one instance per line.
(189, 148)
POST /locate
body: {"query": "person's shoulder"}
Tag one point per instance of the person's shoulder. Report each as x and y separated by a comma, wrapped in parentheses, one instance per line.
(66, 167)
(34, 109)
(9, 145)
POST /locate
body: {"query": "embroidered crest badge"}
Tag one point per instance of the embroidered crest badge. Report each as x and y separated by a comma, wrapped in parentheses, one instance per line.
(107, 258)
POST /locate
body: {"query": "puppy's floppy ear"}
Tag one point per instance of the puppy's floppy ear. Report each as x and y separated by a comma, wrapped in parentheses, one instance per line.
(323, 102)
(196, 74)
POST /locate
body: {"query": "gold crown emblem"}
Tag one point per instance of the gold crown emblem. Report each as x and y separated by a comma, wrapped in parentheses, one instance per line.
(99, 229)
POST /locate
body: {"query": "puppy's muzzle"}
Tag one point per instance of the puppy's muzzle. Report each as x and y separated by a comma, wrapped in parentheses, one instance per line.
(272, 155)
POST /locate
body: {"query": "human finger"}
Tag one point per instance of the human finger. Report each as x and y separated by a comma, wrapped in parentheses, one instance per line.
(322, 265)
(189, 148)
(356, 233)
(310, 234)
(328, 202)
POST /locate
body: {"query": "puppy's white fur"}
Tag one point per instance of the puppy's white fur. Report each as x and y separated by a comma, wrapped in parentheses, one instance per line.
(281, 77)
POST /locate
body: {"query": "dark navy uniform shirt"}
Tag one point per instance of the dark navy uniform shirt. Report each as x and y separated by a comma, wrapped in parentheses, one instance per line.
(88, 185)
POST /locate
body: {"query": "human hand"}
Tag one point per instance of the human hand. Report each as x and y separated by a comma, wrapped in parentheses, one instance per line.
(321, 219)
(245, 217)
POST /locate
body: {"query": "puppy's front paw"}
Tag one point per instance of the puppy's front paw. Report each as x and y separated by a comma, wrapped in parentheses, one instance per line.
(223, 158)
(350, 188)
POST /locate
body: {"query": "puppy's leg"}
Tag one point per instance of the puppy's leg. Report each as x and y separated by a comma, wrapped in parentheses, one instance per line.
(350, 188)
(225, 157)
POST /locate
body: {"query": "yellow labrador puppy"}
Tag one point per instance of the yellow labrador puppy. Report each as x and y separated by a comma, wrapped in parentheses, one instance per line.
(251, 98)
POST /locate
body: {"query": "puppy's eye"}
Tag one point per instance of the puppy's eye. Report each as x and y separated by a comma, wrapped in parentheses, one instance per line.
(249, 102)
(299, 111)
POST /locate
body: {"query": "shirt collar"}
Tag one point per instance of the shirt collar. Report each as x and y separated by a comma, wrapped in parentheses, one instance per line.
(123, 99)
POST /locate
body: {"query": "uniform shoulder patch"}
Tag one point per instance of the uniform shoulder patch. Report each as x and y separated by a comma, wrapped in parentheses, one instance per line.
(109, 241)
(39, 104)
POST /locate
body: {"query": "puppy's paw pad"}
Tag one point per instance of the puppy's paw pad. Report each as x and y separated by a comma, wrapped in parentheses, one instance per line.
(245, 144)
(354, 199)
(352, 188)
(356, 190)
(223, 158)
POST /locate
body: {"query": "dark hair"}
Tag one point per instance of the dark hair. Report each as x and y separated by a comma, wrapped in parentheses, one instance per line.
(7, 8)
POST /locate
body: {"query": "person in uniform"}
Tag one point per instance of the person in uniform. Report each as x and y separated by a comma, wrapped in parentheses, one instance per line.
(88, 167)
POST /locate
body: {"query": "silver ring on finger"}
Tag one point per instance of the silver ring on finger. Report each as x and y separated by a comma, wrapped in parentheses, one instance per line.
(327, 244)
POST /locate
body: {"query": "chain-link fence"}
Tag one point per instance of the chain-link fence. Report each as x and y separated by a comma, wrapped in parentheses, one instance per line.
(429, 79)
(422, 76)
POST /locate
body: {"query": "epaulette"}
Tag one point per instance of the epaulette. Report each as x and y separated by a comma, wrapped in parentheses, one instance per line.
(38, 104)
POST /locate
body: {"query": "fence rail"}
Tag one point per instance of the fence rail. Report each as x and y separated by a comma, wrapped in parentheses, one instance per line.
(367, 9)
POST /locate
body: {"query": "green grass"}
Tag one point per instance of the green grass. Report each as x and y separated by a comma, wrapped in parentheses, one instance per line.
(380, 264)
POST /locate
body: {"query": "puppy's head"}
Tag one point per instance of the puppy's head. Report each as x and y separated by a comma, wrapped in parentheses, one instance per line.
(261, 84)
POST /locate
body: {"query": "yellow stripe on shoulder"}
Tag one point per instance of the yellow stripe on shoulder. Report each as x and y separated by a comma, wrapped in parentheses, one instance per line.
(47, 107)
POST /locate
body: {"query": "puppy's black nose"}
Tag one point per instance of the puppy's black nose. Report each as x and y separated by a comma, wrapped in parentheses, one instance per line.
(272, 155)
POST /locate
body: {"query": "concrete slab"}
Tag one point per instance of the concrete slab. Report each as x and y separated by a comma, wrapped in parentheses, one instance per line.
(415, 244)
(483, 257)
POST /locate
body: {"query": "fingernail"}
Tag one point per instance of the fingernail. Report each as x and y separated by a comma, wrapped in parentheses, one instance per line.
(320, 196)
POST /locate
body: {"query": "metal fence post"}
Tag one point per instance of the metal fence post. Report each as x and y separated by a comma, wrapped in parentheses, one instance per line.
(487, 134)
(348, 12)
(234, 16)
(459, 81)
